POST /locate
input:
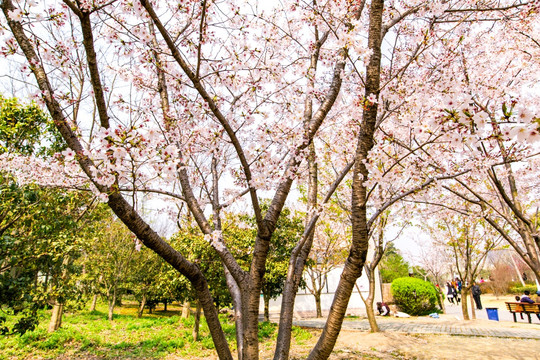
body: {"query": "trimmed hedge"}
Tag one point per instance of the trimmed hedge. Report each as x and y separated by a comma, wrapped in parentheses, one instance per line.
(414, 296)
(520, 289)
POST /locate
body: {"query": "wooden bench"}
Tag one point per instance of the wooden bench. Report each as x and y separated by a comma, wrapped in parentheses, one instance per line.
(523, 308)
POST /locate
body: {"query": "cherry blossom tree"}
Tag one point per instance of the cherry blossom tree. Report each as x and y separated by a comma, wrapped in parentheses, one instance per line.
(468, 243)
(211, 103)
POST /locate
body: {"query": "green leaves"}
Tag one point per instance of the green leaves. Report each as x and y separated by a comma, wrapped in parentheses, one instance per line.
(27, 130)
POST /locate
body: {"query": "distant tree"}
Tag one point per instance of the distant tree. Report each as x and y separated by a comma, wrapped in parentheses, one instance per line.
(467, 241)
(393, 265)
(41, 229)
(110, 261)
(329, 250)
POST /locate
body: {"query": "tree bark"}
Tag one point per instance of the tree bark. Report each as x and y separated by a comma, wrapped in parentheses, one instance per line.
(473, 307)
(141, 307)
(464, 309)
(186, 309)
(94, 303)
(370, 312)
(440, 296)
(294, 276)
(112, 303)
(56, 317)
(317, 296)
(195, 332)
(360, 231)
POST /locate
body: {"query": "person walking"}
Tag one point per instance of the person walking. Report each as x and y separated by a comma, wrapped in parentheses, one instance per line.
(450, 292)
(476, 292)
(459, 285)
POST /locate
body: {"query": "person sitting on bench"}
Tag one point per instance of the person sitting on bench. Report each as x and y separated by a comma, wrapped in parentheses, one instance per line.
(526, 299)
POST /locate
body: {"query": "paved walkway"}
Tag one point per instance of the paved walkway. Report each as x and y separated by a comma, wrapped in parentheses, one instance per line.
(416, 327)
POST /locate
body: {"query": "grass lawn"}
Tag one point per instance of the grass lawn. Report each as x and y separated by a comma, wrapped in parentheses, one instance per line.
(90, 335)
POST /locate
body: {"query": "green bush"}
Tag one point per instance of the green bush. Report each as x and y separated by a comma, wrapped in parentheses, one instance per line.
(414, 296)
(519, 289)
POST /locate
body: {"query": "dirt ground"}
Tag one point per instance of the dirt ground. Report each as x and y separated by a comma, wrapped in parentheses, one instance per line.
(362, 345)
(392, 345)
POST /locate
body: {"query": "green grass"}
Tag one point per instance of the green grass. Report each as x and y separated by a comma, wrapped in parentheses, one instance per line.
(87, 334)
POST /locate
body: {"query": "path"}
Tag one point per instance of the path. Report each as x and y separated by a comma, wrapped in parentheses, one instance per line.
(415, 327)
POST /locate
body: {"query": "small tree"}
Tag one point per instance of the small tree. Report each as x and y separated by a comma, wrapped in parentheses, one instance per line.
(109, 261)
(468, 241)
(330, 244)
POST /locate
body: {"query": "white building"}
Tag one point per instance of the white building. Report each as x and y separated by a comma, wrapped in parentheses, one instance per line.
(304, 305)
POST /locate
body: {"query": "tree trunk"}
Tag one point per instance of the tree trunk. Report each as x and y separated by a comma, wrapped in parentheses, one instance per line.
(440, 296)
(317, 295)
(294, 276)
(195, 333)
(186, 309)
(517, 271)
(112, 303)
(250, 313)
(94, 303)
(473, 307)
(464, 310)
(360, 230)
(165, 305)
(56, 317)
(141, 307)
(370, 312)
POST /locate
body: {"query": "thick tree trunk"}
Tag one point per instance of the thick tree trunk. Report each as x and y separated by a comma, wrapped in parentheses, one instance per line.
(250, 308)
(93, 304)
(165, 305)
(360, 231)
(195, 332)
(56, 317)
(141, 307)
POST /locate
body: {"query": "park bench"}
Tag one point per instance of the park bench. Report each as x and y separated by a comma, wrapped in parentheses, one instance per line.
(523, 308)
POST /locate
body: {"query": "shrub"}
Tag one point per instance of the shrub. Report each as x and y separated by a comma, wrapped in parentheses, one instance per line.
(414, 296)
(519, 289)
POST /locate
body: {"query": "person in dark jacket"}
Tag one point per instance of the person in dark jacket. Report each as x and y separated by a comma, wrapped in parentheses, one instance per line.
(476, 292)
(525, 298)
(384, 310)
(450, 292)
